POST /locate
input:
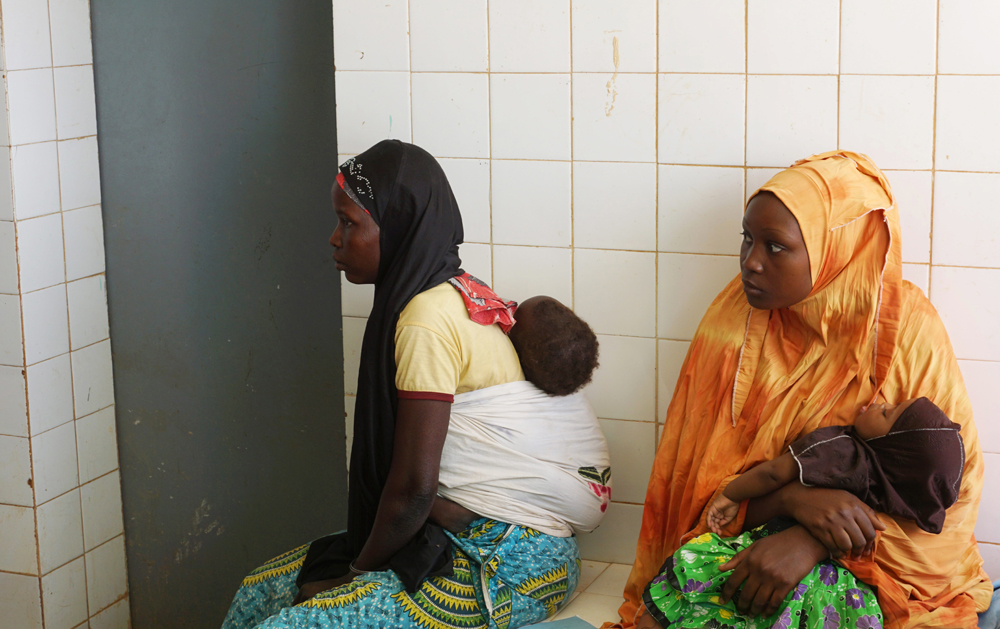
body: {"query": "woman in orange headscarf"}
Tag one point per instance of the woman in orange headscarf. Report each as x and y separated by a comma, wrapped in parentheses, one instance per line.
(819, 324)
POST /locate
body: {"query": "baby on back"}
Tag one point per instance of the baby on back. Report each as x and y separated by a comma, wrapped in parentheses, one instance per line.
(557, 349)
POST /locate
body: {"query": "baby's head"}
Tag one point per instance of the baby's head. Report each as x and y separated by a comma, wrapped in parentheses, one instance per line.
(920, 456)
(557, 349)
(876, 420)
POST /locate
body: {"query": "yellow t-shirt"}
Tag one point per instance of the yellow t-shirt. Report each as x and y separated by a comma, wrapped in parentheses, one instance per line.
(440, 351)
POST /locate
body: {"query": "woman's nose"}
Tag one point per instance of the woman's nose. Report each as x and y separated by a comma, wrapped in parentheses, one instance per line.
(753, 261)
(335, 238)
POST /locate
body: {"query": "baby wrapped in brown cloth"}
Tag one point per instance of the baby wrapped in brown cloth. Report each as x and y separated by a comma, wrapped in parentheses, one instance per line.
(913, 471)
(905, 460)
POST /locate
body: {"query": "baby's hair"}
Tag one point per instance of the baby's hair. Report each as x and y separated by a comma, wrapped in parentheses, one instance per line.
(560, 355)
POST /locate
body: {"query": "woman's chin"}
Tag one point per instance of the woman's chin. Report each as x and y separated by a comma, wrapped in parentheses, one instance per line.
(757, 300)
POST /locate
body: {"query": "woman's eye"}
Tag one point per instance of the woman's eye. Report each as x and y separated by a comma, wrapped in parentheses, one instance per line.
(745, 236)
(774, 248)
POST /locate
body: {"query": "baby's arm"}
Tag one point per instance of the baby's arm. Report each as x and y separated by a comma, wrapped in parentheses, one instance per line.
(754, 483)
(761, 480)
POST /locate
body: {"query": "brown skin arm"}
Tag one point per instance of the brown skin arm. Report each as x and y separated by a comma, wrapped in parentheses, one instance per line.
(838, 519)
(410, 490)
(763, 479)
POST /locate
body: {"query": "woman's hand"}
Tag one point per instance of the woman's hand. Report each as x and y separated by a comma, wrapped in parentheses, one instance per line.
(309, 590)
(769, 568)
(838, 519)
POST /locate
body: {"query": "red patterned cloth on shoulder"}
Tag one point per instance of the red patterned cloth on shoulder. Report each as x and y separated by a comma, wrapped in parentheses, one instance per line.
(485, 306)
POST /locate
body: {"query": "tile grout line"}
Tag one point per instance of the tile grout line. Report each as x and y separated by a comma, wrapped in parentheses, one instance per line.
(489, 135)
(656, 227)
(934, 164)
(572, 130)
(840, 55)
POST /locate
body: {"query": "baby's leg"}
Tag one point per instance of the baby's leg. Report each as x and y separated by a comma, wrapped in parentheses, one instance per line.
(647, 622)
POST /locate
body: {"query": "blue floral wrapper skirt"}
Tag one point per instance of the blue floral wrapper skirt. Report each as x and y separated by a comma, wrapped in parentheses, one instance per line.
(687, 592)
(505, 576)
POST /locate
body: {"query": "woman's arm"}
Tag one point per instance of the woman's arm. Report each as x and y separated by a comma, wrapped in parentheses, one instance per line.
(421, 428)
(763, 479)
(838, 519)
(410, 490)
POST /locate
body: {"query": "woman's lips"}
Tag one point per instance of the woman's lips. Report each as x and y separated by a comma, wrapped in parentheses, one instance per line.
(752, 288)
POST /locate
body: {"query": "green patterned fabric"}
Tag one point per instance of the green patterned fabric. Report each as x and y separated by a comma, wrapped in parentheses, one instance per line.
(505, 576)
(686, 593)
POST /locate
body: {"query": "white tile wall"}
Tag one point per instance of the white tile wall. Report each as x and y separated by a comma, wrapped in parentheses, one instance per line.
(601, 304)
(700, 209)
(106, 573)
(913, 192)
(961, 107)
(516, 272)
(888, 36)
(46, 328)
(31, 106)
(623, 385)
(470, 182)
(616, 182)
(707, 36)
(383, 113)
(522, 44)
(57, 418)
(700, 118)
(35, 176)
(448, 36)
(102, 510)
(14, 411)
(64, 596)
(789, 117)
(15, 472)
(17, 529)
(21, 604)
(371, 36)
(26, 34)
(53, 462)
(791, 37)
(40, 252)
(530, 128)
(535, 194)
(8, 260)
(75, 105)
(60, 530)
(69, 21)
(967, 43)
(50, 393)
(614, 216)
(451, 113)
(889, 118)
(966, 231)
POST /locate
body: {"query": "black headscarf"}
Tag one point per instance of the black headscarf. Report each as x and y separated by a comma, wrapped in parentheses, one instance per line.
(406, 192)
(914, 471)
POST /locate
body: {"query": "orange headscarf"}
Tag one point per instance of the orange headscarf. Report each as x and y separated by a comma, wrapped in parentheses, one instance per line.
(754, 381)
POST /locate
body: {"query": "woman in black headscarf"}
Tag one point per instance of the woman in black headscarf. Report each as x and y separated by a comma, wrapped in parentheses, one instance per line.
(410, 556)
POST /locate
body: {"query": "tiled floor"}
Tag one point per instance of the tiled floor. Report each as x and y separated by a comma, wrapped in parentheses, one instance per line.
(599, 594)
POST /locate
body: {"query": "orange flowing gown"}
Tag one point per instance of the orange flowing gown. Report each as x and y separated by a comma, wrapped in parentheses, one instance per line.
(754, 381)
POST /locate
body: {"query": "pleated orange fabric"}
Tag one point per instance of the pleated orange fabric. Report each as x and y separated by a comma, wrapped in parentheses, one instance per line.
(754, 381)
